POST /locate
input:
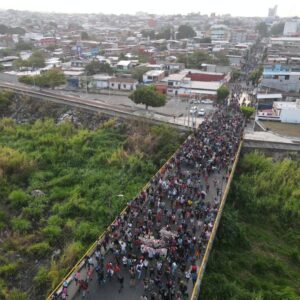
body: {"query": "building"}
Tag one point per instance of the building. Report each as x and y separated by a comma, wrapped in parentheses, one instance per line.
(124, 65)
(219, 33)
(153, 76)
(281, 78)
(100, 81)
(272, 12)
(123, 84)
(288, 112)
(291, 28)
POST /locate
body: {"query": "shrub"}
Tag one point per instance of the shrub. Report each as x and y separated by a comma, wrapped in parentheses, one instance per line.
(39, 250)
(18, 199)
(41, 279)
(8, 271)
(20, 225)
(52, 233)
(16, 294)
(86, 232)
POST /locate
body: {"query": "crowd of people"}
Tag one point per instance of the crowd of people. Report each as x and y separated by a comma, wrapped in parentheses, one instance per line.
(161, 237)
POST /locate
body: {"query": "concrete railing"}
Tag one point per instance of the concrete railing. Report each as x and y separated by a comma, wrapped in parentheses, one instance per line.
(196, 290)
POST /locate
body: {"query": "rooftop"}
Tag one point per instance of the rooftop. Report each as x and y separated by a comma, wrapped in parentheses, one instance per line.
(269, 96)
(287, 105)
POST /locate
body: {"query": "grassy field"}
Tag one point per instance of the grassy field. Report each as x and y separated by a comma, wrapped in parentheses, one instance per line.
(256, 253)
(59, 190)
(292, 130)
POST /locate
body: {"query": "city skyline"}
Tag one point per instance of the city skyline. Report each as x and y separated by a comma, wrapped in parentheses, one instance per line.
(248, 9)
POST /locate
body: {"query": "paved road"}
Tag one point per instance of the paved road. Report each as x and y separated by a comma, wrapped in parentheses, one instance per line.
(110, 290)
(174, 106)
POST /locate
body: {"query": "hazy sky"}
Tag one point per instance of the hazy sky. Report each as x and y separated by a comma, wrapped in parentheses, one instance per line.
(234, 7)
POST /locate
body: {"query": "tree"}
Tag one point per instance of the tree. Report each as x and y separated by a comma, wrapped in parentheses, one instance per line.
(21, 45)
(49, 79)
(247, 111)
(262, 29)
(194, 60)
(84, 35)
(53, 78)
(138, 72)
(149, 96)
(221, 59)
(185, 32)
(36, 60)
(222, 93)
(277, 29)
(148, 34)
(235, 74)
(165, 33)
(96, 67)
(255, 75)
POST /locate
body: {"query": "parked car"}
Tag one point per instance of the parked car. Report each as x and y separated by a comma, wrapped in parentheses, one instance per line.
(207, 101)
(193, 110)
(201, 112)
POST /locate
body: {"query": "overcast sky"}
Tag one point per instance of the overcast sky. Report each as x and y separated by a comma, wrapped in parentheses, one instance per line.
(234, 7)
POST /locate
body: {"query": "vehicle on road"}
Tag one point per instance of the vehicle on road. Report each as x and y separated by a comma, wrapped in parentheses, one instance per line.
(201, 112)
(207, 101)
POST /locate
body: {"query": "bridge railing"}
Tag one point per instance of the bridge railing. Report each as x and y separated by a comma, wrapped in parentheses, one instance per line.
(196, 290)
(80, 264)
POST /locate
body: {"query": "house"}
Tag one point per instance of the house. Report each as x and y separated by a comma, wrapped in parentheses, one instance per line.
(100, 81)
(173, 82)
(281, 78)
(123, 84)
(288, 112)
(124, 65)
(153, 76)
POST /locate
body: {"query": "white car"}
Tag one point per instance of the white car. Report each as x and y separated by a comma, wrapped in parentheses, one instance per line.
(201, 112)
(207, 101)
(193, 110)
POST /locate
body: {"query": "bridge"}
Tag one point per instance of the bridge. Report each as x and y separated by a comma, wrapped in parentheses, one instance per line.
(124, 112)
(166, 232)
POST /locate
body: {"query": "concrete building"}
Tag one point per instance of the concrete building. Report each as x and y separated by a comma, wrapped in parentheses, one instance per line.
(124, 65)
(272, 12)
(288, 112)
(291, 28)
(100, 81)
(219, 33)
(153, 76)
(281, 78)
(123, 84)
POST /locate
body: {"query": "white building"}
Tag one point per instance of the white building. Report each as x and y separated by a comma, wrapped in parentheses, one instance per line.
(100, 81)
(153, 76)
(291, 28)
(219, 33)
(288, 112)
(124, 65)
(123, 84)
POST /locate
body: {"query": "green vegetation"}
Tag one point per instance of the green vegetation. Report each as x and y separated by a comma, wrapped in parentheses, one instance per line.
(247, 111)
(197, 58)
(185, 32)
(149, 96)
(36, 60)
(96, 67)
(256, 252)
(256, 75)
(78, 174)
(49, 79)
(222, 93)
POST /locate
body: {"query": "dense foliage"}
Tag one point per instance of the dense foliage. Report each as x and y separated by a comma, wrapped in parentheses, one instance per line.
(59, 190)
(148, 96)
(50, 79)
(256, 253)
